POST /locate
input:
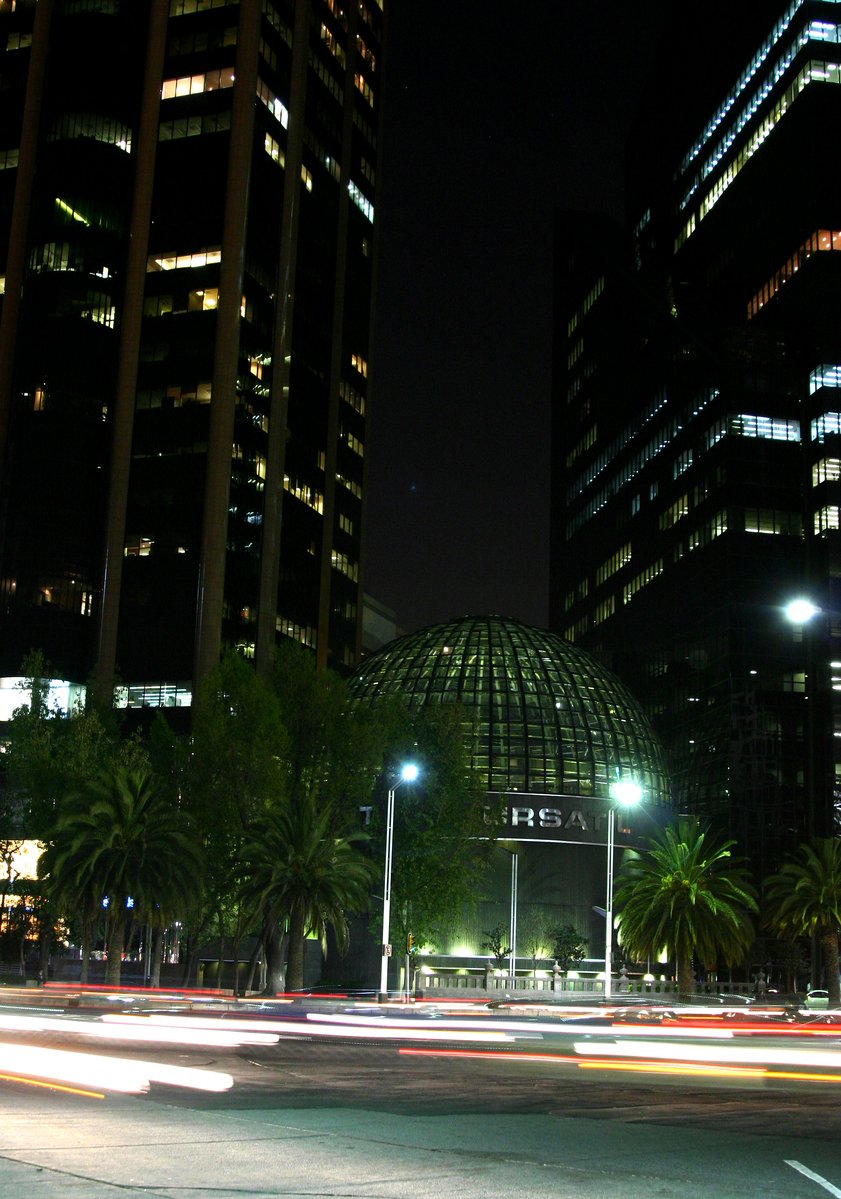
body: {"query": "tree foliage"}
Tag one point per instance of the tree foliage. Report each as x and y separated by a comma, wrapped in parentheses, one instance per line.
(686, 894)
(335, 749)
(569, 947)
(299, 866)
(444, 824)
(286, 756)
(49, 753)
(117, 841)
(496, 944)
(804, 899)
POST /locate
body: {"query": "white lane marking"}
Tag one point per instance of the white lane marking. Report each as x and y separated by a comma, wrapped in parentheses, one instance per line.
(807, 1173)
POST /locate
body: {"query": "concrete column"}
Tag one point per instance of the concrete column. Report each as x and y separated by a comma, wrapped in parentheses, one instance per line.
(131, 316)
(282, 347)
(211, 583)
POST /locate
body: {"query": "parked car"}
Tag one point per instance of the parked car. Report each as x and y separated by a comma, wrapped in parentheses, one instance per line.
(817, 998)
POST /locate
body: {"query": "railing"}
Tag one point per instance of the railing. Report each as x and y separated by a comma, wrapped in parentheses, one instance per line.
(12, 972)
(488, 983)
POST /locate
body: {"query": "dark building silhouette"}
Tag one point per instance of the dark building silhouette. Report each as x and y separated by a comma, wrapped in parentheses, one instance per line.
(697, 419)
(187, 210)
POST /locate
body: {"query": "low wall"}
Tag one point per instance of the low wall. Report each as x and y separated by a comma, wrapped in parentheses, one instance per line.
(445, 984)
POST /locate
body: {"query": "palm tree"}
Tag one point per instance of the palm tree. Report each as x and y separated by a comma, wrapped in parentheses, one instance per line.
(69, 896)
(687, 895)
(804, 899)
(118, 841)
(299, 869)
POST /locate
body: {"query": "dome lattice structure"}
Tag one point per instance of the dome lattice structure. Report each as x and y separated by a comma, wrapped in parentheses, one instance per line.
(548, 717)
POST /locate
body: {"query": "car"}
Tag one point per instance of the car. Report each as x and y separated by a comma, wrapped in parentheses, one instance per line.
(817, 998)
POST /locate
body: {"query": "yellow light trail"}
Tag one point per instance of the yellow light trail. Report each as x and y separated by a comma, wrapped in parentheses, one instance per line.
(642, 1067)
(51, 1086)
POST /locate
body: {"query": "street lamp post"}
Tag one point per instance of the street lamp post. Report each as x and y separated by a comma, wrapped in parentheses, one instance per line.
(408, 773)
(624, 793)
(512, 933)
(819, 816)
(803, 613)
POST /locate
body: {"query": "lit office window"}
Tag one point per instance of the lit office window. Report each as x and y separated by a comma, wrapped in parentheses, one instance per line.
(614, 562)
(770, 520)
(827, 519)
(828, 375)
(177, 262)
(274, 104)
(194, 85)
(361, 201)
(828, 470)
(274, 150)
(826, 425)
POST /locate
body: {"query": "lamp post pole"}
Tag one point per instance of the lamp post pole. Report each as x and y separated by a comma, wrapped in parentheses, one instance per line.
(389, 844)
(608, 921)
(804, 614)
(512, 928)
(408, 774)
(627, 793)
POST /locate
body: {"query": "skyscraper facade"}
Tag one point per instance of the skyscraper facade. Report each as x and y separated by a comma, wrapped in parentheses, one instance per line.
(187, 207)
(697, 432)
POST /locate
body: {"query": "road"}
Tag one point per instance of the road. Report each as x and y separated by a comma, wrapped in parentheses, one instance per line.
(353, 1117)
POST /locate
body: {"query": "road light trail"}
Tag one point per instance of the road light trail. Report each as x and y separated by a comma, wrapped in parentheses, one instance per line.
(108, 1073)
(764, 1055)
(140, 1028)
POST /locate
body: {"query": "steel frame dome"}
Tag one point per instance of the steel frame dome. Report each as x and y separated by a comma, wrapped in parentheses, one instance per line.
(547, 717)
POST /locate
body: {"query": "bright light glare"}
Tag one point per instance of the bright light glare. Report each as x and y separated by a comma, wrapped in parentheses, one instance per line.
(107, 1073)
(143, 1028)
(626, 791)
(384, 1032)
(409, 772)
(800, 611)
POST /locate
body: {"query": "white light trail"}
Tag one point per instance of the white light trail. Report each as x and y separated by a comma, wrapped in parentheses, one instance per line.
(108, 1073)
(138, 1028)
(764, 1055)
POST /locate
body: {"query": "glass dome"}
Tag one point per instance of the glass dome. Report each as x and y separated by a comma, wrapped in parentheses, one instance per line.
(549, 718)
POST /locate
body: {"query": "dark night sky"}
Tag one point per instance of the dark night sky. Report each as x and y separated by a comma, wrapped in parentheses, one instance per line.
(496, 115)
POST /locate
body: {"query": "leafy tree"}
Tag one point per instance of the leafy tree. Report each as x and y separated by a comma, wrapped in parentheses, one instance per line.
(569, 947)
(225, 776)
(804, 899)
(444, 824)
(534, 925)
(9, 849)
(334, 748)
(238, 749)
(685, 893)
(259, 745)
(299, 868)
(117, 840)
(49, 753)
(496, 943)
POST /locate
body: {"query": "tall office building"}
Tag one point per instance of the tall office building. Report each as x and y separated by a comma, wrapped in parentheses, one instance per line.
(697, 419)
(187, 202)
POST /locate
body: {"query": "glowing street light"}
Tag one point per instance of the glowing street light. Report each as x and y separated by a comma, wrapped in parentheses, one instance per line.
(408, 773)
(624, 793)
(800, 610)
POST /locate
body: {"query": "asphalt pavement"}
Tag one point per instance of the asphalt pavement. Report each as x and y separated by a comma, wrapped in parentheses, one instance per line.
(356, 1119)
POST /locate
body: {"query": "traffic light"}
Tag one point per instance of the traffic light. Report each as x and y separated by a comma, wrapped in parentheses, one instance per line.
(410, 942)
